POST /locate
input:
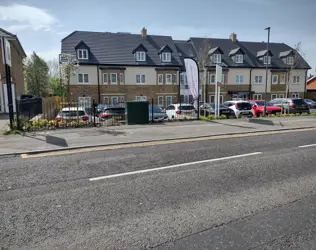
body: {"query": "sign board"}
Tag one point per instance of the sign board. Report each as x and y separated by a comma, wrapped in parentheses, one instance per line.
(192, 73)
(64, 58)
(219, 72)
(6, 47)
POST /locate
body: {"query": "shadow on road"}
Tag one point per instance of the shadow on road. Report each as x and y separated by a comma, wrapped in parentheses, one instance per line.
(232, 125)
(263, 122)
(49, 139)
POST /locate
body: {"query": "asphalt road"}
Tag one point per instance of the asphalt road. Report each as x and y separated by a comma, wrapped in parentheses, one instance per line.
(254, 192)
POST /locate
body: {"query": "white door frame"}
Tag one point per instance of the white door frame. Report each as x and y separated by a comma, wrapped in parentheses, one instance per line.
(1, 98)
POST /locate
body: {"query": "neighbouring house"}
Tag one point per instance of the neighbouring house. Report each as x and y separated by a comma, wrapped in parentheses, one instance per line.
(17, 78)
(117, 67)
(311, 88)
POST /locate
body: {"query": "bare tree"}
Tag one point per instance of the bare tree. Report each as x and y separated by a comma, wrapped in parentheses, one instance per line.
(53, 66)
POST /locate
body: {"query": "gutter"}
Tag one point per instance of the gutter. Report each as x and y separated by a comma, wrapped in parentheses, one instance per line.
(99, 94)
(250, 85)
(305, 91)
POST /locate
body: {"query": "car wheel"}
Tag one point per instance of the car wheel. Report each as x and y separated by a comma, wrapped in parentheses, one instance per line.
(259, 114)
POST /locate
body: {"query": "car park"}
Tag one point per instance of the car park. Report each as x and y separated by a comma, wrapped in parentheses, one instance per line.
(291, 105)
(258, 108)
(240, 108)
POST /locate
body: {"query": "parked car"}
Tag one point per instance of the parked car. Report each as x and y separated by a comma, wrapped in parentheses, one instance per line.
(99, 108)
(112, 112)
(258, 108)
(291, 105)
(175, 110)
(311, 103)
(157, 113)
(240, 108)
(72, 114)
(209, 109)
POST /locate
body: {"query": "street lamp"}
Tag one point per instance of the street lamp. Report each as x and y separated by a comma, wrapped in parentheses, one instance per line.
(266, 87)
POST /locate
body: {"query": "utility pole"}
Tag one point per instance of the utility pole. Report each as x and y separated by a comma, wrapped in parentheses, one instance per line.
(267, 61)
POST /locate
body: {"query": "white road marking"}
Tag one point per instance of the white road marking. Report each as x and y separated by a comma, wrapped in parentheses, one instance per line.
(172, 166)
(307, 146)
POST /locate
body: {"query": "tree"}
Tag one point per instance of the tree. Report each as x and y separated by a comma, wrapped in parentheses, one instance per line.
(36, 75)
(53, 66)
(56, 86)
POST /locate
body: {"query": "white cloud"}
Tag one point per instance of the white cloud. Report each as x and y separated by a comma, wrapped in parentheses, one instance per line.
(27, 17)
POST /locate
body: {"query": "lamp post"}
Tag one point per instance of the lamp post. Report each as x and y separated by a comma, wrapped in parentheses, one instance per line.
(267, 61)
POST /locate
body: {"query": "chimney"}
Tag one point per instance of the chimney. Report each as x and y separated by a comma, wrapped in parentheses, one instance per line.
(233, 37)
(144, 32)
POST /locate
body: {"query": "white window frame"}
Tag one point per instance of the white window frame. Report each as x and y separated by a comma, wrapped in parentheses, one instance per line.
(141, 78)
(281, 95)
(221, 98)
(166, 57)
(160, 77)
(265, 59)
(297, 79)
(107, 79)
(239, 79)
(141, 98)
(257, 96)
(122, 80)
(210, 79)
(217, 58)
(277, 79)
(296, 95)
(175, 79)
(223, 78)
(290, 60)
(158, 101)
(257, 80)
(283, 82)
(112, 74)
(167, 82)
(85, 100)
(82, 52)
(239, 58)
(114, 97)
(140, 56)
(108, 100)
(83, 78)
(168, 96)
(274, 96)
(121, 99)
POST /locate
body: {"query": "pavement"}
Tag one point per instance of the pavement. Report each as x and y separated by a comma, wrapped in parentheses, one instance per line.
(256, 192)
(87, 137)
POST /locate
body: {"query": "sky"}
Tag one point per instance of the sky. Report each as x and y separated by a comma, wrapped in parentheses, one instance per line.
(40, 24)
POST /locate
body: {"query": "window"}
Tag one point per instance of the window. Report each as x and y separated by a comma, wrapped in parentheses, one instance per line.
(140, 56)
(166, 57)
(106, 100)
(105, 77)
(296, 79)
(113, 77)
(275, 79)
(239, 59)
(265, 59)
(160, 78)
(282, 79)
(175, 79)
(281, 95)
(257, 96)
(160, 101)
(212, 78)
(82, 54)
(217, 58)
(212, 99)
(84, 101)
(239, 79)
(121, 78)
(182, 78)
(168, 100)
(295, 95)
(168, 78)
(223, 78)
(83, 78)
(258, 79)
(141, 98)
(140, 79)
(114, 100)
(274, 96)
(290, 60)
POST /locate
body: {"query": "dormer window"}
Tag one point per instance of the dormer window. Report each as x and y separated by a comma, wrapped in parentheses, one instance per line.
(290, 60)
(82, 54)
(166, 57)
(239, 58)
(140, 56)
(267, 60)
(217, 58)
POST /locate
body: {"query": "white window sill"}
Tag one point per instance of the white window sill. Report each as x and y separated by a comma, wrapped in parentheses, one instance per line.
(140, 83)
(113, 83)
(258, 83)
(168, 83)
(83, 83)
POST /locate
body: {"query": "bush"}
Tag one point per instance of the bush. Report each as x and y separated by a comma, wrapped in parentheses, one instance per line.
(297, 114)
(305, 114)
(11, 132)
(313, 113)
(222, 117)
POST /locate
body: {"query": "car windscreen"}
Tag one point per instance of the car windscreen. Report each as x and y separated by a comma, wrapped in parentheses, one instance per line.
(187, 108)
(115, 110)
(260, 103)
(244, 105)
(299, 102)
(70, 113)
(222, 106)
(155, 109)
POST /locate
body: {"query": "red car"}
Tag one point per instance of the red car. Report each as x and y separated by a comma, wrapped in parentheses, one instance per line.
(258, 108)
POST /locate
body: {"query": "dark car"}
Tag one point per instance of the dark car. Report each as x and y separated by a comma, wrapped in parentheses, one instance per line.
(291, 105)
(156, 113)
(209, 109)
(112, 112)
(99, 108)
(311, 103)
